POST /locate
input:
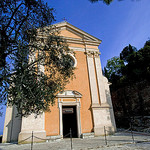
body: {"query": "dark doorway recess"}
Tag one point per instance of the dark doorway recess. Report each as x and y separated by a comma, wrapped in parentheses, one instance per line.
(69, 121)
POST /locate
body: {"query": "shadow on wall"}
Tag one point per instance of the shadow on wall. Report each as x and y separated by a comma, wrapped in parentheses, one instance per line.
(108, 97)
(90, 109)
(0, 138)
(109, 101)
(9, 131)
(13, 127)
(109, 130)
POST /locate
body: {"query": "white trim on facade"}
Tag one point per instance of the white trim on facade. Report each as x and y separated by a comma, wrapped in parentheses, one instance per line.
(80, 49)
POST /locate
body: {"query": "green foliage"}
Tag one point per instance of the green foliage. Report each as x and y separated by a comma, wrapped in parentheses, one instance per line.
(127, 53)
(130, 80)
(130, 67)
(24, 51)
(138, 62)
(113, 68)
(104, 1)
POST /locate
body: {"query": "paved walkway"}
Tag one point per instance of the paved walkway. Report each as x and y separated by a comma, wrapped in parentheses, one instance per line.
(121, 141)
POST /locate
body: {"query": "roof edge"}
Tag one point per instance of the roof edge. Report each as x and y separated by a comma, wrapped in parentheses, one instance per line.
(65, 23)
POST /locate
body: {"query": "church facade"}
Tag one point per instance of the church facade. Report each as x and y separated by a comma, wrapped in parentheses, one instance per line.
(84, 106)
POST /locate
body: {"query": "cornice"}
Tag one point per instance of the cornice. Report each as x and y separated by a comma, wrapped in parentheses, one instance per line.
(81, 41)
(83, 49)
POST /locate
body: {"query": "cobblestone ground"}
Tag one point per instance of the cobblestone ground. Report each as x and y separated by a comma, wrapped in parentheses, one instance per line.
(119, 141)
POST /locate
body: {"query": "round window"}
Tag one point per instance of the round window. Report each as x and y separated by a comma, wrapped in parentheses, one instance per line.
(73, 60)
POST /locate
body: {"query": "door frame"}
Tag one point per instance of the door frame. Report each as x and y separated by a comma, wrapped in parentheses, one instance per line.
(64, 102)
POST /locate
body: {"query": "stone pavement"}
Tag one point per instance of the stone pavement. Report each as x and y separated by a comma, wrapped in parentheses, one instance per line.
(121, 141)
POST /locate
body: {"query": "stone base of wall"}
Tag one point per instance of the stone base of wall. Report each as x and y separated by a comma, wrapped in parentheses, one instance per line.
(100, 130)
(87, 135)
(54, 138)
(26, 137)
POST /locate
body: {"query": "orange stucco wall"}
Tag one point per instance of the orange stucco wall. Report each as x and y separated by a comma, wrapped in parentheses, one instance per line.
(69, 34)
(52, 121)
(81, 84)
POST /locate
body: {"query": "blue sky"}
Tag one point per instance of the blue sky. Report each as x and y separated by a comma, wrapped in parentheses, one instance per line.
(117, 25)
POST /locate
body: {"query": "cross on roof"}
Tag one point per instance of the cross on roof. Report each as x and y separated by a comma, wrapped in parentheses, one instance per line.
(64, 19)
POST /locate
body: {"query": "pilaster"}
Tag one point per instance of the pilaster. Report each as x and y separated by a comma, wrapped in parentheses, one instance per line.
(100, 81)
(92, 79)
(101, 108)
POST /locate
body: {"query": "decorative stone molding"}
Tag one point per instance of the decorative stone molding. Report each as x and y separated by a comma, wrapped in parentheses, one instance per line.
(80, 49)
(89, 53)
(96, 54)
(69, 94)
(95, 105)
(92, 53)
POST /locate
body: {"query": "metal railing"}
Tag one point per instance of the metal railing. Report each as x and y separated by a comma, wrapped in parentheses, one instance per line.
(107, 141)
(129, 130)
(33, 136)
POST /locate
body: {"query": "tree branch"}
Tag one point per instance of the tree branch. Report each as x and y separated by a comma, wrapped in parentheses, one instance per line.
(13, 16)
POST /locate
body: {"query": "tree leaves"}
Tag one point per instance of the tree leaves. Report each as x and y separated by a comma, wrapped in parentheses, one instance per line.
(34, 64)
(130, 78)
(130, 67)
(104, 1)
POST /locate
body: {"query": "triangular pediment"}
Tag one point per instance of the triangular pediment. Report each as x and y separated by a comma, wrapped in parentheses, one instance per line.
(69, 31)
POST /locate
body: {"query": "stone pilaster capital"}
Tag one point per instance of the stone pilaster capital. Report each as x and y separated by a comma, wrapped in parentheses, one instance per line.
(92, 53)
(89, 53)
(96, 54)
